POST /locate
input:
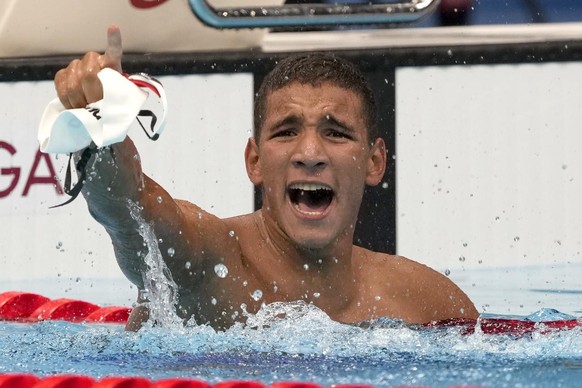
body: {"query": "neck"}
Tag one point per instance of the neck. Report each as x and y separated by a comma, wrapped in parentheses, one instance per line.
(323, 276)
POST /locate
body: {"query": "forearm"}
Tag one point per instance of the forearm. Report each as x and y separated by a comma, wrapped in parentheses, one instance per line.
(112, 174)
(113, 179)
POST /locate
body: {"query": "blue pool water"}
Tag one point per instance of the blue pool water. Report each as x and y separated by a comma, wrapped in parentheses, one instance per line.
(307, 346)
(304, 346)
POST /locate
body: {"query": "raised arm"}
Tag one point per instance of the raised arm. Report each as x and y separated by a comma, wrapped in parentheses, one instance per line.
(113, 175)
(123, 199)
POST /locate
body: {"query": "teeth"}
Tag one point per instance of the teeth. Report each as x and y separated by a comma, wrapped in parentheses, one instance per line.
(308, 186)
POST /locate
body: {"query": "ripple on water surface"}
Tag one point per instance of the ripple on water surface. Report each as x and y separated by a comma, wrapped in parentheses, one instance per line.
(296, 342)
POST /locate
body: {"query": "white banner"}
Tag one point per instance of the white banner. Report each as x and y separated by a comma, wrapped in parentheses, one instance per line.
(199, 157)
(489, 180)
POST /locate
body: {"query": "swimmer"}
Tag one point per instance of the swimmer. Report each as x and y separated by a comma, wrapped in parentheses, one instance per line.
(313, 152)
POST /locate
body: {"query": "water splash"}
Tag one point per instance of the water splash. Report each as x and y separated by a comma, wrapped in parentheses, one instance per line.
(547, 315)
(298, 342)
(161, 290)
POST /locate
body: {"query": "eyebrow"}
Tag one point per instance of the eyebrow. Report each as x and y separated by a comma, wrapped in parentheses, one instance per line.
(327, 119)
(292, 119)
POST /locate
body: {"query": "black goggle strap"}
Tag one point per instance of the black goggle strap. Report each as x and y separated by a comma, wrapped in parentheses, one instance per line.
(74, 191)
(154, 119)
(81, 167)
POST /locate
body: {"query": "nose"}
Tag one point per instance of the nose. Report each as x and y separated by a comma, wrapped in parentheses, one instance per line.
(310, 151)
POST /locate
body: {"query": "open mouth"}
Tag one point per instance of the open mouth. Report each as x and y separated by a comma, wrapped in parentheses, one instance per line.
(310, 198)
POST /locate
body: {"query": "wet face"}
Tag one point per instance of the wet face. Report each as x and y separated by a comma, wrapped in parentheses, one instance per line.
(313, 159)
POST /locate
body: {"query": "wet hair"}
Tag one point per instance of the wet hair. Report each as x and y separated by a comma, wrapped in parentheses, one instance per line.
(315, 69)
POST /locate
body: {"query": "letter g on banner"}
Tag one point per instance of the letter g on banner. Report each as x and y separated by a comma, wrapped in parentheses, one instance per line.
(14, 171)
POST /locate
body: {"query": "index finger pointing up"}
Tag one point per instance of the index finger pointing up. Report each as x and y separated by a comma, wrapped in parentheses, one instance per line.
(114, 50)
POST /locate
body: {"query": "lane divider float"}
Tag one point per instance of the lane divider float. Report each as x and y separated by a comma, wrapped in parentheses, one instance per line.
(29, 307)
(22, 380)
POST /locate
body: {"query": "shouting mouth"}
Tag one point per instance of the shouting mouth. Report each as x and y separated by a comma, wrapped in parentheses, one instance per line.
(310, 199)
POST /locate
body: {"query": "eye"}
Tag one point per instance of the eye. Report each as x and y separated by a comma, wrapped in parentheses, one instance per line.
(338, 134)
(284, 132)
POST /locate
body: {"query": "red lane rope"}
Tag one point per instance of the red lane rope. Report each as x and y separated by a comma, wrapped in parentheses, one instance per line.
(19, 306)
(515, 327)
(28, 307)
(23, 380)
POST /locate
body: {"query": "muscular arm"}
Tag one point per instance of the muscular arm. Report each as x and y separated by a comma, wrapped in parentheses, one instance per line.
(122, 198)
(114, 180)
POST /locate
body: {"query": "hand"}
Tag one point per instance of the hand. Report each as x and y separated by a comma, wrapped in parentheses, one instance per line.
(78, 85)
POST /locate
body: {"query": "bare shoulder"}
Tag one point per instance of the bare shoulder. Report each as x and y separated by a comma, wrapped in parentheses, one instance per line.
(423, 293)
(220, 234)
(397, 265)
(193, 211)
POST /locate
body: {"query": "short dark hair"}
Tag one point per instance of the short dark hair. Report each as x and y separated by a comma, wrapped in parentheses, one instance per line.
(315, 69)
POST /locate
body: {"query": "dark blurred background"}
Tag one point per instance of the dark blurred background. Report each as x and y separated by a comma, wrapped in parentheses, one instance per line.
(475, 12)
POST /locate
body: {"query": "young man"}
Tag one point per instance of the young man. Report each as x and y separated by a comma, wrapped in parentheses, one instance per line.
(313, 153)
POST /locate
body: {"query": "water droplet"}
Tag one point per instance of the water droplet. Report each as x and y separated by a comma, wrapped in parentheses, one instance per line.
(221, 270)
(245, 283)
(447, 272)
(159, 199)
(257, 294)
(231, 233)
(516, 238)
(188, 265)
(77, 280)
(384, 185)
(462, 259)
(306, 266)
(59, 245)
(465, 245)
(377, 297)
(171, 252)
(316, 294)
(213, 301)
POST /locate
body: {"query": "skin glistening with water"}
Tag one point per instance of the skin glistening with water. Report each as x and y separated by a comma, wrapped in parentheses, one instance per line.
(312, 155)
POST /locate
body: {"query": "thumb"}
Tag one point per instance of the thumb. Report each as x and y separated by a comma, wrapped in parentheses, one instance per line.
(114, 50)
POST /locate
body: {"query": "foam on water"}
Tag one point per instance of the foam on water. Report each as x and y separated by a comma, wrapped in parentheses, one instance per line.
(296, 341)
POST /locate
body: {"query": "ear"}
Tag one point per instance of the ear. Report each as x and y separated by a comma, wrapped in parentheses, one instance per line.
(252, 162)
(376, 163)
